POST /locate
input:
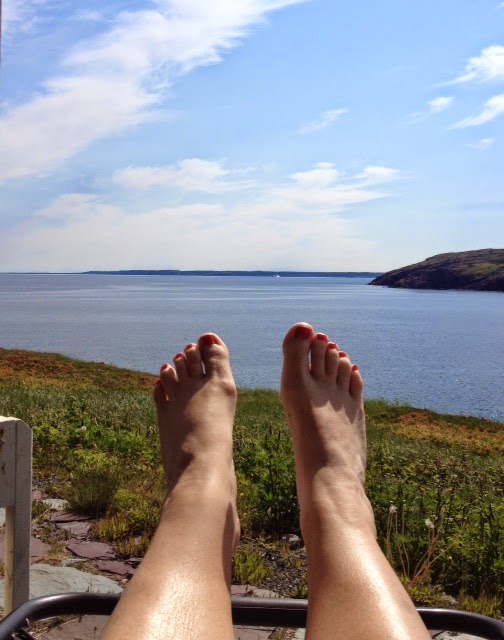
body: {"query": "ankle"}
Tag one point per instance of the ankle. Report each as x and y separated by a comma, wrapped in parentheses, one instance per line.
(334, 508)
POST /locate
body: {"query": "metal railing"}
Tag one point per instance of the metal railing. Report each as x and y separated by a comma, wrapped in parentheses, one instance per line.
(263, 612)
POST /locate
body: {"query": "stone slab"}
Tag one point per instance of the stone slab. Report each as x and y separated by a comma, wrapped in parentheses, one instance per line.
(85, 628)
(46, 580)
(114, 566)
(68, 516)
(253, 633)
(38, 549)
(55, 504)
(91, 550)
(76, 529)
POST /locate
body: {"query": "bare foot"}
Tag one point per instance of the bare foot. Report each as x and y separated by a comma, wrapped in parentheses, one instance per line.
(322, 394)
(196, 402)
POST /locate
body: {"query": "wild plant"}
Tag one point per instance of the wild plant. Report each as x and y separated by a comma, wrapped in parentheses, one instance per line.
(250, 567)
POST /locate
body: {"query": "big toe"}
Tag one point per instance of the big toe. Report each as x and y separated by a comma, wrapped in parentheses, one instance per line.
(296, 349)
(215, 356)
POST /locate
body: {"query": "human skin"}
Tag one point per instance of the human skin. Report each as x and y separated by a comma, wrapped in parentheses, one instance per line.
(353, 590)
(182, 588)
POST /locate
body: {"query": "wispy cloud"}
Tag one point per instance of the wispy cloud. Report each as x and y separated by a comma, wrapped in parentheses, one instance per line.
(192, 174)
(483, 144)
(374, 175)
(487, 67)
(324, 120)
(285, 219)
(436, 105)
(491, 110)
(440, 104)
(113, 81)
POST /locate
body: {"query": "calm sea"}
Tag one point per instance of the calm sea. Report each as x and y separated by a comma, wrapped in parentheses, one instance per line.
(437, 349)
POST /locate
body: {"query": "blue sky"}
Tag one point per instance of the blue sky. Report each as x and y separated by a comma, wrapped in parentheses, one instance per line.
(249, 134)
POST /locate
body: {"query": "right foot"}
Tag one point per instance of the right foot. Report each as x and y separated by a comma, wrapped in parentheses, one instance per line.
(322, 394)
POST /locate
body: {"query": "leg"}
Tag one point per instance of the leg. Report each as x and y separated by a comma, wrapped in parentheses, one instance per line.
(182, 589)
(353, 591)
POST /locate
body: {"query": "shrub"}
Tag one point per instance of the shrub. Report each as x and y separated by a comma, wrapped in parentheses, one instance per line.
(92, 490)
(250, 567)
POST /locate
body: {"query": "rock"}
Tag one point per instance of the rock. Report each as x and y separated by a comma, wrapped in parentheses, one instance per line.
(78, 530)
(38, 549)
(55, 504)
(292, 540)
(91, 550)
(68, 516)
(47, 580)
(2, 517)
(85, 628)
(114, 566)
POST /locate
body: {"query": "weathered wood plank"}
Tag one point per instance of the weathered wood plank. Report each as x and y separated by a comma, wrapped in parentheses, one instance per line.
(15, 496)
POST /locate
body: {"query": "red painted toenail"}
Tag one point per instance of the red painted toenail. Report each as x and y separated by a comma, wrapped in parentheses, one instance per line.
(342, 354)
(165, 366)
(208, 340)
(355, 367)
(321, 336)
(332, 345)
(188, 346)
(303, 333)
(178, 356)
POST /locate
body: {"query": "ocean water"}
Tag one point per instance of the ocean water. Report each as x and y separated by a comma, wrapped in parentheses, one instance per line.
(442, 350)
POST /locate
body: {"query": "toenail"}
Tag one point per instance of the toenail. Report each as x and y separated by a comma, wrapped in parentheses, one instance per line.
(321, 336)
(303, 333)
(165, 366)
(332, 345)
(178, 356)
(355, 367)
(208, 340)
(342, 354)
(189, 346)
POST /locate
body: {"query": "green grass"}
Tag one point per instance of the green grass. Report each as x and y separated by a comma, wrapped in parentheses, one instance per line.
(435, 482)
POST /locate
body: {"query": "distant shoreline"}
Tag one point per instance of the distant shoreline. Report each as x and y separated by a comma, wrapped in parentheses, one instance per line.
(177, 272)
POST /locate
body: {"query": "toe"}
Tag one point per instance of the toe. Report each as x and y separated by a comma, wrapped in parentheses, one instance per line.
(169, 380)
(160, 399)
(318, 355)
(296, 349)
(194, 362)
(344, 371)
(181, 367)
(356, 383)
(331, 360)
(214, 356)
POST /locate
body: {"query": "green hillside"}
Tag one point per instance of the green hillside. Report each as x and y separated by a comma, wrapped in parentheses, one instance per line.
(481, 270)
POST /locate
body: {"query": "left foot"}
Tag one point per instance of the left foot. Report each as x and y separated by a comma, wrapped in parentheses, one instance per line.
(196, 401)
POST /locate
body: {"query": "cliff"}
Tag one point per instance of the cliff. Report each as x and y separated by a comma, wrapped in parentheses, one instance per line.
(481, 270)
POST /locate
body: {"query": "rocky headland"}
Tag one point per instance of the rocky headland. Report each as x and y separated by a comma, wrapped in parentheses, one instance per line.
(480, 270)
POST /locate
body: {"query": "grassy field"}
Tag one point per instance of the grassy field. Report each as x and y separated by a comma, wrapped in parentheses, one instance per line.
(435, 481)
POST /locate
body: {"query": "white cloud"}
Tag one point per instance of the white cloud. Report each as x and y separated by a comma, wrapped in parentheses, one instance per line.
(440, 104)
(491, 110)
(373, 174)
(437, 105)
(483, 144)
(191, 174)
(20, 15)
(114, 80)
(296, 224)
(325, 119)
(488, 67)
